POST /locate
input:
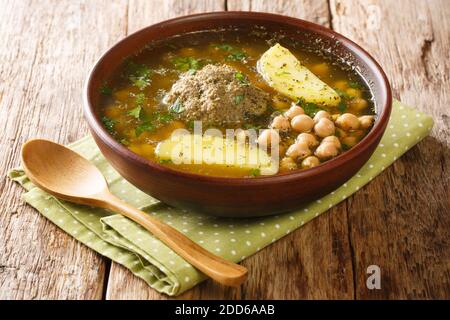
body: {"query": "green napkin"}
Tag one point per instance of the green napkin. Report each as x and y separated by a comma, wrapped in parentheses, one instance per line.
(125, 242)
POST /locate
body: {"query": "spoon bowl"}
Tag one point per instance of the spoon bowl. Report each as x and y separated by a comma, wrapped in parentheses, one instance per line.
(61, 171)
(65, 174)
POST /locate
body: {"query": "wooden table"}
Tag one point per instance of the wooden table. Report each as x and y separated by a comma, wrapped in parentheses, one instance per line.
(400, 221)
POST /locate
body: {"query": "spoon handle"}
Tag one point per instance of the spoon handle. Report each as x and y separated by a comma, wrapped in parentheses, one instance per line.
(217, 268)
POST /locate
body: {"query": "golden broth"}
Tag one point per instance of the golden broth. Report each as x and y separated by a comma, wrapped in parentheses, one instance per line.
(133, 111)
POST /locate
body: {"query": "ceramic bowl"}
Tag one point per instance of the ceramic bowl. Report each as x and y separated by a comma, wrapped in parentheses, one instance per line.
(239, 197)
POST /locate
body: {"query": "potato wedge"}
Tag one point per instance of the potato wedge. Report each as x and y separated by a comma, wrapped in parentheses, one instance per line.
(197, 149)
(284, 72)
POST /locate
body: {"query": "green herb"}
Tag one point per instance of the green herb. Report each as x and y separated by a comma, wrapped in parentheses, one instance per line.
(248, 126)
(187, 63)
(354, 85)
(145, 126)
(176, 107)
(165, 161)
(136, 112)
(224, 47)
(125, 142)
(140, 99)
(236, 56)
(190, 125)
(241, 77)
(342, 106)
(310, 108)
(345, 147)
(139, 74)
(341, 93)
(164, 118)
(105, 90)
(282, 73)
(109, 124)
(238, 99)
(255, 172)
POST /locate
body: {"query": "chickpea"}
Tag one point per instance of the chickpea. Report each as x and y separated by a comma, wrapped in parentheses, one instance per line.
(268, 137)
(358, 104)
(293, 111)
(310, 162)
(324, 128)
(333, 139)
(298, 150)
(280, 103)
(366, 122)
(281, 123)
(347, 122)
(302, 123)
(326, 150)
(321, 114)
(349, 142)
(287, 164)
(307, 138)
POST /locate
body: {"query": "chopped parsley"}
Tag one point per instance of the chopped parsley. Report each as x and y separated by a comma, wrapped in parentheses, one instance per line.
(248, 126)
(165, 161)
(255, 172)
(109, 123)
(354, 85)
(139, 75)
(164, 117)
(187, 64)
(136, 112)
(145, 126)
(342, 106)
(310, 108)
(238, 99)
(241, 77)
(105, 90)
(282, 73)
(125, 142)
(341, 93)
(224, 47)
(236, 56)
(176, 107)
(140, 99)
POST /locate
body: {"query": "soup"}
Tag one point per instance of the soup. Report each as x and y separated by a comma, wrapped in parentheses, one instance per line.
(244, 81)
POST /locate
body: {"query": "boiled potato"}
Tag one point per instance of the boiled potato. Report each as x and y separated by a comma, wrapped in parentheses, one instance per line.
(190, 148)
(283, 72)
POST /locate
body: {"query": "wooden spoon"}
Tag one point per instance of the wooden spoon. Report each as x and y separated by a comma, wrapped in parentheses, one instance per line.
(67, 175)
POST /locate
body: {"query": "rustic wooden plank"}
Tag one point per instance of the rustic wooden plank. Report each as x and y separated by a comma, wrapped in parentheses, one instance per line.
(400, 221)
(302, 265)
(46, 51)
(299, 266)
(121, 283)
(314, 11)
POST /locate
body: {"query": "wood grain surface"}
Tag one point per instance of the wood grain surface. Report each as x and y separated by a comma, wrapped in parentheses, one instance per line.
(400, 221)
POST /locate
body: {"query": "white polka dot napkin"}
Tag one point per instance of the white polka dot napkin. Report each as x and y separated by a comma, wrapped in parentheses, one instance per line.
(127, 243)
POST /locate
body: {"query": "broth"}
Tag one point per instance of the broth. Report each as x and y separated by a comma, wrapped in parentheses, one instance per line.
(134, 112)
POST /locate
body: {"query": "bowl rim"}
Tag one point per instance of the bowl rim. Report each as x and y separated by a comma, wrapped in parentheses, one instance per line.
(361, 147)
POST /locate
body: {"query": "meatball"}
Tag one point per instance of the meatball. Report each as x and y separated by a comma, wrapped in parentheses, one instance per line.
(215, 96)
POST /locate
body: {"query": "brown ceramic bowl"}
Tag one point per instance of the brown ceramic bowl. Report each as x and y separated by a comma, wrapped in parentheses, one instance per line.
(238, 197)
